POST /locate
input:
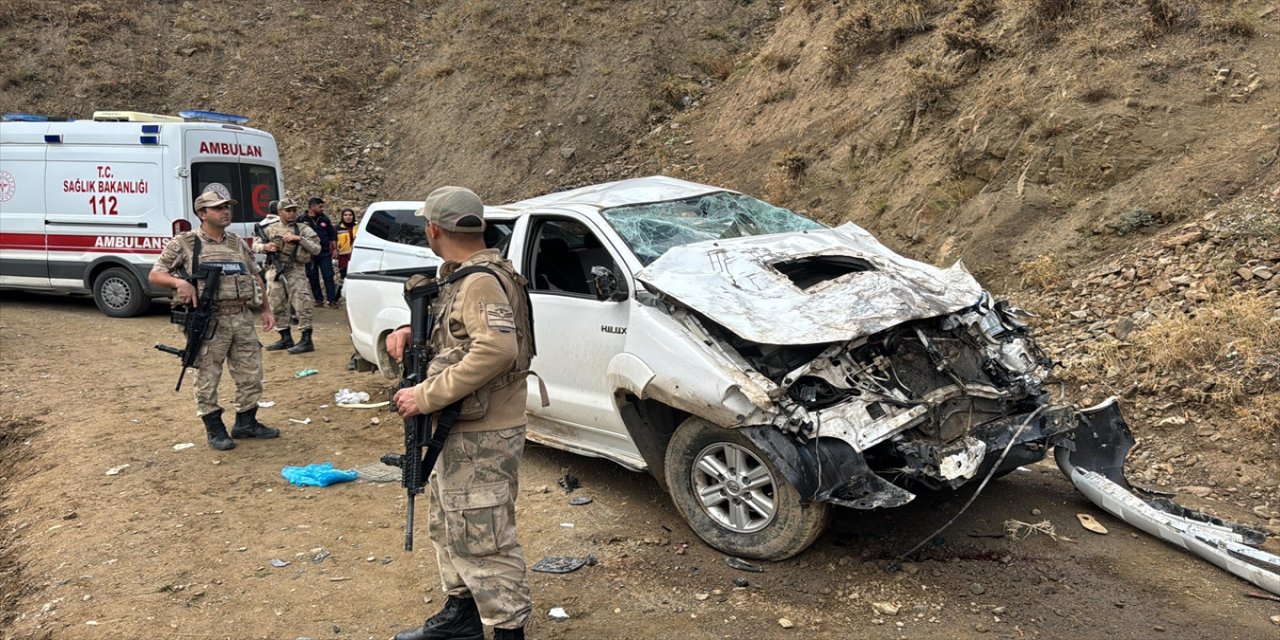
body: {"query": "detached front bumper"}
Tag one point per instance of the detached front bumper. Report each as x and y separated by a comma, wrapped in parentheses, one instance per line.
(1093, 459)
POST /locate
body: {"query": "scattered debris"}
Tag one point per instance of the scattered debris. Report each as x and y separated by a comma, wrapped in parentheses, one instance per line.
(266, 404)
(318, 554)
(1089, 522)
(579, 501)
(559, 564)
(375, 420)
(303, 421)
(566, 525)
(1019, 530)
(1262, 596)
(305, 372)
(115, 471)
(741, 582)
(317, 475)
(364, 405)
(558, 613)
(347, 396)
(377, 472)
(569, 482)
(277, 563)
(886, 608)
(785, 623)
(743, 565)
(183, 446)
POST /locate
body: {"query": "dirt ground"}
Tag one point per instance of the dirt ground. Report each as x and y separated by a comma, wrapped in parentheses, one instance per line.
(181, 544)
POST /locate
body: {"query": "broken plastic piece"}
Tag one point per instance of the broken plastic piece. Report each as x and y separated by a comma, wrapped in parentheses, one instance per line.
(559, 564)
(578, 501)
(296, 421)
(275, 562)
(183, 445)
(1089, 522)
(305, 372)
(317, 475)
(266, 404)
(743, 565)
(1094, 462)
(115, 471)
(558, 613)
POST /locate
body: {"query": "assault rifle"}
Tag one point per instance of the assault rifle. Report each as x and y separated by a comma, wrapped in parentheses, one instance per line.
(198, 323)
(273, 257)
(415, 465)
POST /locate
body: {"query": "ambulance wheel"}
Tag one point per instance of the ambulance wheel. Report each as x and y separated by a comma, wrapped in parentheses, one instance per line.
(735, 498)
(119, 294)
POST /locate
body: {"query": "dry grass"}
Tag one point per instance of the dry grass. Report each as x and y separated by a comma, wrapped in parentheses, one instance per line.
(389, 74)
(1045, 272)
(1227, 351)
(777, 61)
(1236, 24)
(679, 91)
(789, 167)
(874, 30)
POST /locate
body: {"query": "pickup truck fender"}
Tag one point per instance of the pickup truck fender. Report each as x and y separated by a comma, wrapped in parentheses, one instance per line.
(387, 320)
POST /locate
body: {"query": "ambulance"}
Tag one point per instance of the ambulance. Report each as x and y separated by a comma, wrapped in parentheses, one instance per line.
(86, 206)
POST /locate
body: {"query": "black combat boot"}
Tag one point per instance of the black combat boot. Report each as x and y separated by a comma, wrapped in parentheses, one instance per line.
(217, 431)
(247, 426)
(304, 345)
(285, 341)
(458, 620)
(508, 634)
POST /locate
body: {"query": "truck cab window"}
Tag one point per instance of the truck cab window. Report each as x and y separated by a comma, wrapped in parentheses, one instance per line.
(563, 254)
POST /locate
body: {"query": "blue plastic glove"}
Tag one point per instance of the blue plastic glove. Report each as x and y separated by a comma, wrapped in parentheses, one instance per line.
(317, 475)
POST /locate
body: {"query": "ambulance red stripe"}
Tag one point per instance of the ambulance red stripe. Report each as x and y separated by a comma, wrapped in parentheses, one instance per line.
(152, 245)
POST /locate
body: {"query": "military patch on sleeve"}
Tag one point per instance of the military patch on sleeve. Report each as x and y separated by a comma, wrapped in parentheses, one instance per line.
(499, 317)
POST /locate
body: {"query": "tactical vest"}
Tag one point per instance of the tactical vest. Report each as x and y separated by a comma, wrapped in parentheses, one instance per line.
(295, 254)
(237, 284)
(517, 289)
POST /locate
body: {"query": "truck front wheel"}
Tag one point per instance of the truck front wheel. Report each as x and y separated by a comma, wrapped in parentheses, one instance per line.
(735, 498)
(118, 293)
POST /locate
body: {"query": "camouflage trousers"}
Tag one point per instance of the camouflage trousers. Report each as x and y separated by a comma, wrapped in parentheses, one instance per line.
(473, 524)
(292, 289)
(235, 341)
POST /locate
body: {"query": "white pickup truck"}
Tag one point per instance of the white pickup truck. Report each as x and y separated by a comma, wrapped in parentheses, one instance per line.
(761, 366)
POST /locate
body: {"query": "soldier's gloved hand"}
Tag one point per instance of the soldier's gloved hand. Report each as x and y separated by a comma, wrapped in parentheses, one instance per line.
(406, 404)
(396, 342)
(271, 247)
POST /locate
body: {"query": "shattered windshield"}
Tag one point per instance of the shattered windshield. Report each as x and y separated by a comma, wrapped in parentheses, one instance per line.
(651, 229)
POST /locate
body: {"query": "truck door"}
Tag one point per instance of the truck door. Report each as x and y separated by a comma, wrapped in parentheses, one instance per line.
(577, 335)
(23, 252)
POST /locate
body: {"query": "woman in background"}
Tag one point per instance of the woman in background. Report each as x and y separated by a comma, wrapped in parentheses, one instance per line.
(346, 239)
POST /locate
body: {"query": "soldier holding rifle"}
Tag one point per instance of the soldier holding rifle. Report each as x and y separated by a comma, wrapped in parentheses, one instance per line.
(238, 298)
(481, 346)
(292, 246)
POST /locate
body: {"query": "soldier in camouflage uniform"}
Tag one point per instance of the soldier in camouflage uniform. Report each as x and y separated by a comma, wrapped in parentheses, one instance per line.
(239, 297)
(482, 345)
(295, 244)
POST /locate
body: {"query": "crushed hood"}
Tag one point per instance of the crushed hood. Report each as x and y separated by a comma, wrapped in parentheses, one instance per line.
(851, 285)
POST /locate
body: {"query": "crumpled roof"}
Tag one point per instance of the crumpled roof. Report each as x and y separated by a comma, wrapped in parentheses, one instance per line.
(734, 282)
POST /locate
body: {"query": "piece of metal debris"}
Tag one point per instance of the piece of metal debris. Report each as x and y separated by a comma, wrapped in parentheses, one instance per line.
(569, 482)
(559, 564)
(578, 501)
(743, 565)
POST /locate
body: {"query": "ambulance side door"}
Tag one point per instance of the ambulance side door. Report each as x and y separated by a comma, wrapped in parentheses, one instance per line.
(23, 253)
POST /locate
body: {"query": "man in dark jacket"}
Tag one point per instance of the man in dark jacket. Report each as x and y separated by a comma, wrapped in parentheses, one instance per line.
(321, 266)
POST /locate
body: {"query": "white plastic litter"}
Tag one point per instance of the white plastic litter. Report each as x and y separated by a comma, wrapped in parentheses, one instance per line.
(183, 445)
(115, 471)
(347, 396)
(558, 613)
(266, 404)
(297, 421)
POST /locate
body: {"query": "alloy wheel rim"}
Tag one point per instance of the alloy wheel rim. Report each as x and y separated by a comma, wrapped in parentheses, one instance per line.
(735, 488)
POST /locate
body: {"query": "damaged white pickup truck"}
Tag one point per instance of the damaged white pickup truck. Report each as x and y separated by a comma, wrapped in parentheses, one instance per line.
(764, 367)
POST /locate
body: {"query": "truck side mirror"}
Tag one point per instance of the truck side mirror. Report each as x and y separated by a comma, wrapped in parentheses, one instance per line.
(606, 285)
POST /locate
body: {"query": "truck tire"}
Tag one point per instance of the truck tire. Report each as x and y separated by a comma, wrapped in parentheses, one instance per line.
(735, 498)
(118, 293)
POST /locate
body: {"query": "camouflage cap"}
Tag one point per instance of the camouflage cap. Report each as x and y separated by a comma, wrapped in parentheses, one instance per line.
(289, 204)
(454, 209)
(212, 199)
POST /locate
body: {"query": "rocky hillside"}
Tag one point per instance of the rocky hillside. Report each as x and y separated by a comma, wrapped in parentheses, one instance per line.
(1034, 139)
